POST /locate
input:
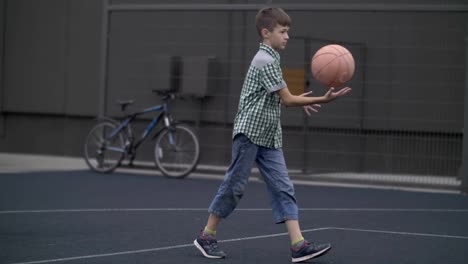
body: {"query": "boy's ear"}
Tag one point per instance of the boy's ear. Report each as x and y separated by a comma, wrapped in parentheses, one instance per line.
(265, 32)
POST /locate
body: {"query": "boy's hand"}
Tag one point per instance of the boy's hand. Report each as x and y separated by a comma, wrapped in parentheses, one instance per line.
(332, 95)
(308, 108)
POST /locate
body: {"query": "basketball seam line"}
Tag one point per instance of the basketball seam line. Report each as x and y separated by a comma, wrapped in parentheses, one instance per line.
(339, 56)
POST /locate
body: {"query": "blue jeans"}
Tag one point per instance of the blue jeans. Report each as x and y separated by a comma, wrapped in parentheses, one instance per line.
(272, 166)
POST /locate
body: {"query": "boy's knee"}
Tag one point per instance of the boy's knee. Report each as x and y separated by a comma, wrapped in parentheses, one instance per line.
(238, 192)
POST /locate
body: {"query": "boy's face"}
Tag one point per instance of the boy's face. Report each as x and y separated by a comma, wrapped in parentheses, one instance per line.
(278, 38)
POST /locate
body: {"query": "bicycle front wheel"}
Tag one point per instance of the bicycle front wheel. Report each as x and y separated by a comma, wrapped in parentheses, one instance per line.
(177, 151)
(103, 150)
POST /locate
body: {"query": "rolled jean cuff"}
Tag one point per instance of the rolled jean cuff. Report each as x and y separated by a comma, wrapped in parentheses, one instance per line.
(286, 218)
(217, 213)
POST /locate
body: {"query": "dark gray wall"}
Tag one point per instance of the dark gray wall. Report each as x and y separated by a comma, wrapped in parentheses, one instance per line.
(35, 41)
(52, 56)
(404, 115)
(51, 74)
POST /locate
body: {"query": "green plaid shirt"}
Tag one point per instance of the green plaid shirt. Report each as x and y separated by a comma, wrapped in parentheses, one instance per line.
(258, 115)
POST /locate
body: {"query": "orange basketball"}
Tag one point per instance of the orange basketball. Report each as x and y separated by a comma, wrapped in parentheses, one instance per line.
(332, 65)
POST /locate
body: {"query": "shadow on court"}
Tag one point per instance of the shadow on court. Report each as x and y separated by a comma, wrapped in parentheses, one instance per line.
(84, 217)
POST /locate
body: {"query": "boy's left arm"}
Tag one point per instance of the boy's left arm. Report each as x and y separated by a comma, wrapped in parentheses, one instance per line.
(309, 108)
(289, 99)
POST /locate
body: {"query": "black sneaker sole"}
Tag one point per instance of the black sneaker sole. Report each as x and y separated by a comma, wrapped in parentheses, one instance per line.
(195, 242)
(311, 256)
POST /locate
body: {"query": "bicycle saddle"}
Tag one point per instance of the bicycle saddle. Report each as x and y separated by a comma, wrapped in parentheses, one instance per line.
(125, 103)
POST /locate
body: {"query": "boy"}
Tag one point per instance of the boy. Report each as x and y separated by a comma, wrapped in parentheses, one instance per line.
(257, 138)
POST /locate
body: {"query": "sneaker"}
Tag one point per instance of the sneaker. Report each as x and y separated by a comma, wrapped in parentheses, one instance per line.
(309, 251)
(208, 246)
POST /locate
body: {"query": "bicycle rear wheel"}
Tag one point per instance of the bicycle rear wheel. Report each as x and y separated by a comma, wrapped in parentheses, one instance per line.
(177, 151)
(104, 153)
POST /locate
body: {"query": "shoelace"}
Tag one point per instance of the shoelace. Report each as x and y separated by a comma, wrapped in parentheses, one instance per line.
(213, 245)
(304, 245)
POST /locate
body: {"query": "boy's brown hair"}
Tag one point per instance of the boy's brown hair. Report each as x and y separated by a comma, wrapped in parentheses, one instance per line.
(269, 17)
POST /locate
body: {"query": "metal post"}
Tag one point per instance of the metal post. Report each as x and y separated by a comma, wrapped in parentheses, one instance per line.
(102, 101)
(305, 122)
(346, 7)
(2, 68)
(464, 162)
(3, 16)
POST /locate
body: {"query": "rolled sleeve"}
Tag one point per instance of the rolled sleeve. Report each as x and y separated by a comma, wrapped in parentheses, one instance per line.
(272, 78)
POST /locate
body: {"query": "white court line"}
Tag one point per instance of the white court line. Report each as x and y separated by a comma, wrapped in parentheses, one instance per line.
(398, 233)
(236, 240)
(424, 210)
(158, 249)
(85, 210)
(104, 254)
(380, 186)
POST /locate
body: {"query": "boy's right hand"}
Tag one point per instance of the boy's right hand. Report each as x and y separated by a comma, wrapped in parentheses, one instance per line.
(309, 108)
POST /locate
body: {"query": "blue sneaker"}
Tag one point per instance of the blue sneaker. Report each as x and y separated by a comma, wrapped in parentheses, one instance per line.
(208, 246)
(309, 251)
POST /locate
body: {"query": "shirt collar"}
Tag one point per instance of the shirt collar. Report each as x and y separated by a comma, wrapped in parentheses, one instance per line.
(270, 51)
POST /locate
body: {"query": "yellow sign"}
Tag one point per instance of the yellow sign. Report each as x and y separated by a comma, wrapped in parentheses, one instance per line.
(295, 79)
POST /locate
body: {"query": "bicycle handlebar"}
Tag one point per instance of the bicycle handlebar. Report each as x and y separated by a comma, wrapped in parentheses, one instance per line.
(166, 94)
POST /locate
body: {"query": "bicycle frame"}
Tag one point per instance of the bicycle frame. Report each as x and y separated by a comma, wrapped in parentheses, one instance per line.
(130, 118)
(111, 143)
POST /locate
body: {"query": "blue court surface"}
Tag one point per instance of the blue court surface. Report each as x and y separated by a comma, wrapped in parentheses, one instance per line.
(84, 217)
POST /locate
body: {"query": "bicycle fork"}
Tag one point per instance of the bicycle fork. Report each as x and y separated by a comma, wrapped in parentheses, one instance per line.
(167, 122)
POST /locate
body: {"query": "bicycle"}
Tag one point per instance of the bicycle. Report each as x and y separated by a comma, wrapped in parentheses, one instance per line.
(176, 151)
